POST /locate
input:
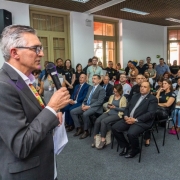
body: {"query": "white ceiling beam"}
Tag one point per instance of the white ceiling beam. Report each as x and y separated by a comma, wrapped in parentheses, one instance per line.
(104, 6)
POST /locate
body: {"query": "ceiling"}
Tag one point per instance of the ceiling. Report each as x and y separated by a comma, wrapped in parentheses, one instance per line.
(158, 9)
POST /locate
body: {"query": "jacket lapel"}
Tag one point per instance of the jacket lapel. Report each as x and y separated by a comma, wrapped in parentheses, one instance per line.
(144, 100)
(20, 84)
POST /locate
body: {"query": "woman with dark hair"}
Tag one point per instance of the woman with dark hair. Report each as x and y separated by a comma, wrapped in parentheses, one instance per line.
(78, 73)
(69, 75)
(166, 99)
(159, 83)
(166, 75)
(116, 106)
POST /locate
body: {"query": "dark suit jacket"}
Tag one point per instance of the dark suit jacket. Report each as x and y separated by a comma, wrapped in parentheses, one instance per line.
(82, 94)
(109, 92)
(146, 110)
(26, 143)
(97, 98)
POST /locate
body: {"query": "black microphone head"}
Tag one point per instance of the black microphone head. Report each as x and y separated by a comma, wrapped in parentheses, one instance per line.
(51, 68)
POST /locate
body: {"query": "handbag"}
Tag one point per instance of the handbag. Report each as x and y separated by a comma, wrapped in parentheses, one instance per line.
(108, 138)
(162, 112)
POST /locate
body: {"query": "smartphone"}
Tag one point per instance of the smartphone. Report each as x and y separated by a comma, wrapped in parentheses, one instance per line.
(109, 104)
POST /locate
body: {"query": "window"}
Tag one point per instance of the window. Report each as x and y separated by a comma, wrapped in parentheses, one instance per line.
(174, 45)
(105, 41)
(52, 31)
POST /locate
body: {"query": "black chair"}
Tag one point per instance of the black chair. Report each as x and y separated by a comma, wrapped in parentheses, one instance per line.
(167, 121)
(142, 137)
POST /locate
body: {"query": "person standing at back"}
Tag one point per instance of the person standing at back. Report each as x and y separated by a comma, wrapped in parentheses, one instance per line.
(161, 68)
(26, 139)
(94, 69)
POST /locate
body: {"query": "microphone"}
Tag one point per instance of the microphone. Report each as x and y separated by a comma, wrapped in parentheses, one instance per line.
(51, 70)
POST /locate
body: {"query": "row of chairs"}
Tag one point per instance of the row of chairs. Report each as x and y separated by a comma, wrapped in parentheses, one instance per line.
(151, 130)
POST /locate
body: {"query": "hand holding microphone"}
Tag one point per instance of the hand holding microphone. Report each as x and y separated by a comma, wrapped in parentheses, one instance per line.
(61, 97)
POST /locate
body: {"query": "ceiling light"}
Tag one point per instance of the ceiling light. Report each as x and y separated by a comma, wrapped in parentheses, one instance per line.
(172, 19)
(134, 11)
(81, 1)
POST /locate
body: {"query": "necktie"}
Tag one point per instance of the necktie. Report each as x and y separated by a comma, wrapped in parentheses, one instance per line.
(137, 104)
(89, 99)
(77, 92)
(104, 87)
(38, 97)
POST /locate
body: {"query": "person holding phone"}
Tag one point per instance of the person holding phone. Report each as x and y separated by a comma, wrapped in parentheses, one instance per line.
(116, 106)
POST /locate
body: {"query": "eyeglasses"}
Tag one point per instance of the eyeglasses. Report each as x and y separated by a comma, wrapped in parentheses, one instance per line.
(37, 49)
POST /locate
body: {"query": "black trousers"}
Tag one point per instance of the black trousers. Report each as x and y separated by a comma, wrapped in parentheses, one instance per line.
(133, 131)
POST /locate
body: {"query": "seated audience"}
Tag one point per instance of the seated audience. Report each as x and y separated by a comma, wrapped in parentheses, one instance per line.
(174, 80)
(147, 75)
(37, 82)
(159, 83)
(111, 72)
(91, 104)
(176, 111)
(77, 98)
(43, 71)
(136, 88)
(133, 72)
(166, 75)
(116, 106)
(125, 85)
(127, 69)
(138, 116)
(47, 86)
(109, 91)
(59, 67)
(78, 72)
(69, 75)
(89, 64)
(151, 71)
(166, 97)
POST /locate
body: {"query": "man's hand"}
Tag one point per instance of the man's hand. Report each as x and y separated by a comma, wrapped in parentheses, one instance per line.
(59, 99)
(130, 120)
(84, 108)
(59, 116)
(71, 102)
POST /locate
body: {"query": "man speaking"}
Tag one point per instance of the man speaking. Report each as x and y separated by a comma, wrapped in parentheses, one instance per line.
(26, 124)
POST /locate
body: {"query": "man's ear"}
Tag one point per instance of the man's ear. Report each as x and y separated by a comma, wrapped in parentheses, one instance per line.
(14, 53)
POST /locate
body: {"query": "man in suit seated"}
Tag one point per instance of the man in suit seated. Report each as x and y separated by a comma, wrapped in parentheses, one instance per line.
(109, 91)
(91, 104)
(77, 98)
(138, 116)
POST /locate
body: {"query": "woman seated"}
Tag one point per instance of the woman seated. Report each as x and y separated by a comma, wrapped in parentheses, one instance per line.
(176, 112)
(167, 75)
(159, 83)
(116, 106)
(150, 80)
(166, 98)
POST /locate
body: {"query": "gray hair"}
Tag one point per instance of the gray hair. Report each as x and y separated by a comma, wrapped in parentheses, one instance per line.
(12, 36)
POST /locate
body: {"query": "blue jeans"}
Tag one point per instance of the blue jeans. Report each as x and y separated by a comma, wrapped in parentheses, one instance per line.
(176, 116)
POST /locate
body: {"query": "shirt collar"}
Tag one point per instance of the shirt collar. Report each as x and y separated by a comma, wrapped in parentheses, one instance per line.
(28, 79)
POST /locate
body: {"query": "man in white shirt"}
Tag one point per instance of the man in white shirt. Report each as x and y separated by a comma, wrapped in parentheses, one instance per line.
(125, 85)
(26, 139)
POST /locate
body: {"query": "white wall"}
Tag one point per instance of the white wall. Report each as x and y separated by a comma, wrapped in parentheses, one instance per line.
(82, 38)
(20, 15)
(141, 40)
